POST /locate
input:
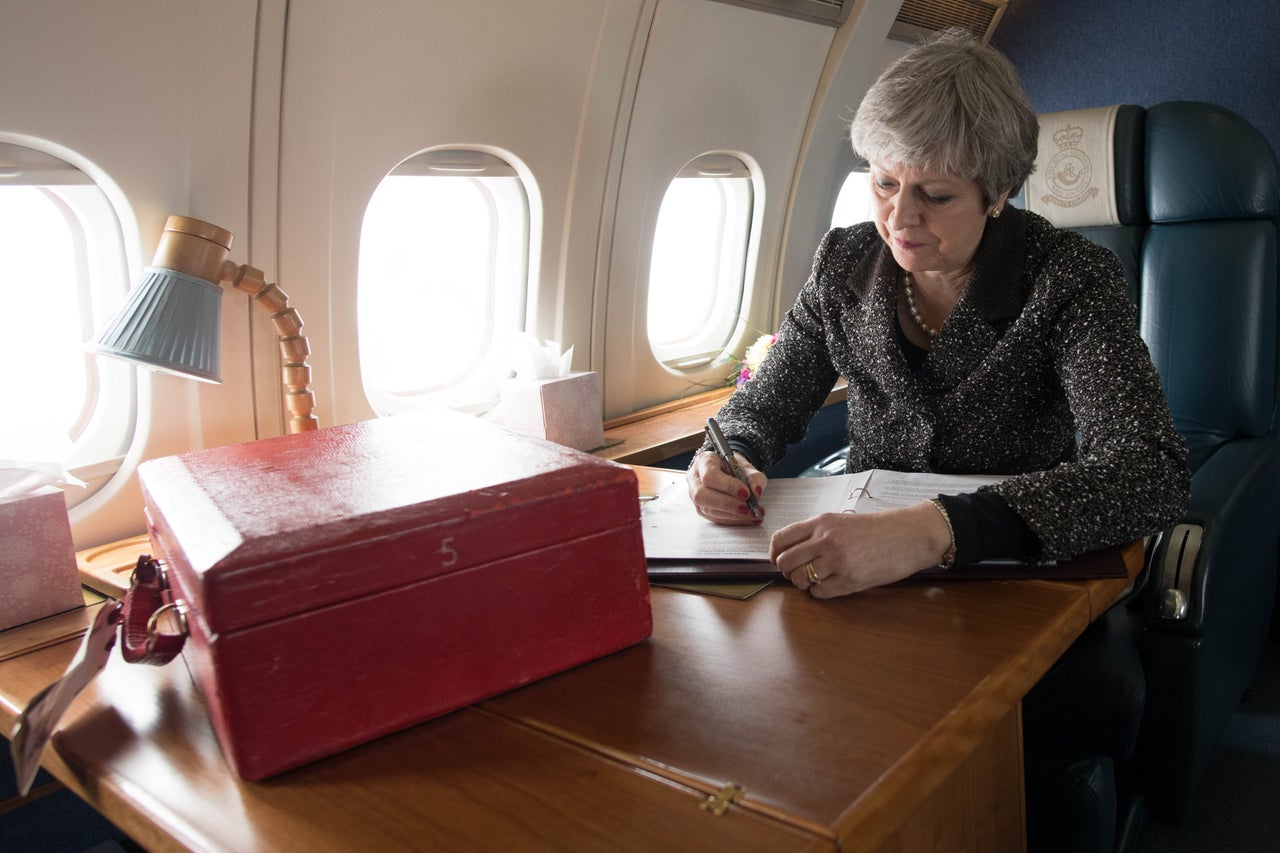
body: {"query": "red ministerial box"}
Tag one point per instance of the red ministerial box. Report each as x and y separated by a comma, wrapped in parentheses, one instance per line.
(346, 583)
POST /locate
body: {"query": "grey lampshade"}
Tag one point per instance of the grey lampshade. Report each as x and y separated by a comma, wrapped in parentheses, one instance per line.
(171, 322)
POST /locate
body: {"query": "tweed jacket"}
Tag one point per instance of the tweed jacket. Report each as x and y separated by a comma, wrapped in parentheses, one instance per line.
(1039, 373)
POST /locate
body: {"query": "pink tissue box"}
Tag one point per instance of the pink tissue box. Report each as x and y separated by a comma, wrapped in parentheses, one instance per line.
(38, 573)
(564, 410)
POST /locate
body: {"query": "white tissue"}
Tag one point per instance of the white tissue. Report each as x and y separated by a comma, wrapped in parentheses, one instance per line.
(533, 360)
(24, 466)
(546, 399)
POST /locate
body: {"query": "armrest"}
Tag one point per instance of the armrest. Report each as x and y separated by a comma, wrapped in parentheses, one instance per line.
(1229, 523)
(1200, 652)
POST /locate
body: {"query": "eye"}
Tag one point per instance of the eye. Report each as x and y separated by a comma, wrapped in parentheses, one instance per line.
(937, 199)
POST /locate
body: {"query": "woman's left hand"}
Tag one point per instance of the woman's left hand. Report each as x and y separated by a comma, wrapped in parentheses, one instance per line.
(850, 552)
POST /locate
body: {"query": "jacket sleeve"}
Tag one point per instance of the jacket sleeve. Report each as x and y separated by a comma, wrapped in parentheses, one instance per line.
(774, 408)
(1129, 476)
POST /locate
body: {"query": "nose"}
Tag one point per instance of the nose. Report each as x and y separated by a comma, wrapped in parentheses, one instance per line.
(903, 212)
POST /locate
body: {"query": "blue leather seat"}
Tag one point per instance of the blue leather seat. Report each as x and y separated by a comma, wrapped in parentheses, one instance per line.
(1193, 218)
(1208, 314)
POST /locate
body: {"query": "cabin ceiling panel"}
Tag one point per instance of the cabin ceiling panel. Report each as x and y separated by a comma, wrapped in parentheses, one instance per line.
(833, 12)
(918, 18)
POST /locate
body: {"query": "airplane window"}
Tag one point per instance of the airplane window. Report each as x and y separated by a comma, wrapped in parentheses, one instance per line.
(853, 204)
(698, 270)
(442, 281)
(64, 273)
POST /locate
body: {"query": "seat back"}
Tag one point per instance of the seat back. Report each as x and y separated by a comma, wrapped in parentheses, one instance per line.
(1185, 194)
(1199, 244)
(1208, 285)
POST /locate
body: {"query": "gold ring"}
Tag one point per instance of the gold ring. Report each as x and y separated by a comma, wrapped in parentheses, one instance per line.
(813, 576)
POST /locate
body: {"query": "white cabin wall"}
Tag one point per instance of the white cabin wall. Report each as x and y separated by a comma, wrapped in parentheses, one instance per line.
(715, 77)
(599, 104)
(264, 180)
(276, 120)
(862, 50)
(153, 100)
(368, 85)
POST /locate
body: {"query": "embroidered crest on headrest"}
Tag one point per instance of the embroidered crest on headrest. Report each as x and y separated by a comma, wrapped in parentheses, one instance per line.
(1069, 175)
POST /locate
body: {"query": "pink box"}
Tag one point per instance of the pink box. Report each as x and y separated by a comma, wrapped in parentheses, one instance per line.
(38, 574)
(564, 410)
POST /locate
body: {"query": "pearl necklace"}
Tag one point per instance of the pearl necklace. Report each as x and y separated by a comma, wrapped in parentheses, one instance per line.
(909, 292)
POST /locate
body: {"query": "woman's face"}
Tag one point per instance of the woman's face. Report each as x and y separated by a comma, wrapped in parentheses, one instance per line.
(932, 221)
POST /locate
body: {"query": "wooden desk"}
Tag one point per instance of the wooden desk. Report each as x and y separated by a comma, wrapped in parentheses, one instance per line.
(139, 748)
(883, 721)
(853, 719)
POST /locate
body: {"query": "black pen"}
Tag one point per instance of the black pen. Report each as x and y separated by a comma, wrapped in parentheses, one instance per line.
(731, 465)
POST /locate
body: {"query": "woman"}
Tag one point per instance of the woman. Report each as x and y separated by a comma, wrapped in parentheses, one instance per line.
(975, 338)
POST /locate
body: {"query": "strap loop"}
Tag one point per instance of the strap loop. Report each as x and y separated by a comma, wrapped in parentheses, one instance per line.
(144, 604)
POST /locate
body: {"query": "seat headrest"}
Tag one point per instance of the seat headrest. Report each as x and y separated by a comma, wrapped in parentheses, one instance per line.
(1224, 167)
(1089, 169)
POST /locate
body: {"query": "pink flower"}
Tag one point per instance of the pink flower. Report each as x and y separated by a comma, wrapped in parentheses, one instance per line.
(751, 359)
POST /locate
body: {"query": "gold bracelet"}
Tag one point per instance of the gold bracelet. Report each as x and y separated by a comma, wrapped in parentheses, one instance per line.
(949, 556)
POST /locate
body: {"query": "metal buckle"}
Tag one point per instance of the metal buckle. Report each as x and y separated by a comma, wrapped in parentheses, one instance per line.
(179, 609)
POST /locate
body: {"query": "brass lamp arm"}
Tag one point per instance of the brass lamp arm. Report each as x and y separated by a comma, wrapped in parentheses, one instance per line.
(294, 349)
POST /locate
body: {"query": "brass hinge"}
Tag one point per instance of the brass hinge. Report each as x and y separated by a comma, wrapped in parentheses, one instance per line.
(719, 802)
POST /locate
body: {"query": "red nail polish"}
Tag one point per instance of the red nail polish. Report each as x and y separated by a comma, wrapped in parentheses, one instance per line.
(742, 494)
(743, 509)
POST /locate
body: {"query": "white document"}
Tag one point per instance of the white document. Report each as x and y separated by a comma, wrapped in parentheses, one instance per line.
(674, 530)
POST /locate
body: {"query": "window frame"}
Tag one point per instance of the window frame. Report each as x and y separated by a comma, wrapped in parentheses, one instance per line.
(725, 319)
(859, 167)
(476, 389)
(105, 427)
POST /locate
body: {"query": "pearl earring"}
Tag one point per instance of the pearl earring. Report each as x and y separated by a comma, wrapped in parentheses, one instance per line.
(995, 213)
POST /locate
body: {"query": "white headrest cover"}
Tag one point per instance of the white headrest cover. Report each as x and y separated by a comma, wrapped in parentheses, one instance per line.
(1074, 184)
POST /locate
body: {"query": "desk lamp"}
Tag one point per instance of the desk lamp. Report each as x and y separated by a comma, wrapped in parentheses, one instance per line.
(171, 322)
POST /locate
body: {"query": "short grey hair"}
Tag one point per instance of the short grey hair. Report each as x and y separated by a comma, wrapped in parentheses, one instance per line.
(954, 105)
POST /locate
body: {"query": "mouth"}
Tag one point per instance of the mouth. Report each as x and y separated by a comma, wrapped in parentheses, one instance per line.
(906, 245)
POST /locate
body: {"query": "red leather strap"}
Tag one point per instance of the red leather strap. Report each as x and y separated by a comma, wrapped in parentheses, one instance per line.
(140, 642)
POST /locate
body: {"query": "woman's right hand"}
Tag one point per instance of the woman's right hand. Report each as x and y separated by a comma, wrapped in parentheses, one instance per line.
(718, 495)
